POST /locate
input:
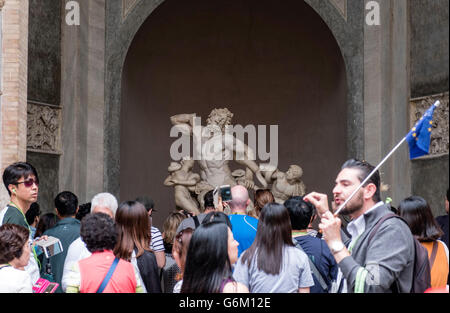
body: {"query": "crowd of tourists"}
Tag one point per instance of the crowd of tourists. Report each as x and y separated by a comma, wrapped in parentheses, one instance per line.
(296, 246)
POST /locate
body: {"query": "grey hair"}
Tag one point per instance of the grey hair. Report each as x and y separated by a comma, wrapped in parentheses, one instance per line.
(105, 199)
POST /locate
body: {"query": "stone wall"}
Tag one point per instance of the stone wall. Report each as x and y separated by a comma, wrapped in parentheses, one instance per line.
(44, 110)
(13, 93)
(429, 47)
(386, 95)
(429, 22)
(82, 101)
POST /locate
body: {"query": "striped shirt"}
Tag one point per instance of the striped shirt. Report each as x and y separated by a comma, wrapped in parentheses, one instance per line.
(157, 243)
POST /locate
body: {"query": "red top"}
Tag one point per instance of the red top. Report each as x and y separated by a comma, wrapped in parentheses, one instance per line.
(94, 268)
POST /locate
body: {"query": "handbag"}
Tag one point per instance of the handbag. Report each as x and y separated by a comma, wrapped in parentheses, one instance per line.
(108, 276)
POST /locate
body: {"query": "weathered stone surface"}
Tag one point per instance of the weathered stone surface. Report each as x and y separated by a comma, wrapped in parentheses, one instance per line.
(341, 5)
(47, 167)
(429, 47)
(44, 51)
(127, 6)
(430, 180)
(82, 90)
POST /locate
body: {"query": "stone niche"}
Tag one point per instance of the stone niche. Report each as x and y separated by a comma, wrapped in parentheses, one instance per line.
(193, 56)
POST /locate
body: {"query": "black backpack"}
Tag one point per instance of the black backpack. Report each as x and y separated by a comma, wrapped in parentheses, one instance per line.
(148, 269)
(314, 270)
(421, 272)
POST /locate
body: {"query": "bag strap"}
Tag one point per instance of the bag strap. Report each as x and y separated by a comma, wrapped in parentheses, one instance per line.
(197, 223)
(433, 254)
(108, 276)
(314, 269)
(378, 225)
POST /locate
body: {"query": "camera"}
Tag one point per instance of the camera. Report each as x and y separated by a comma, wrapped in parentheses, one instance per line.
(225, 194)
(51, 247)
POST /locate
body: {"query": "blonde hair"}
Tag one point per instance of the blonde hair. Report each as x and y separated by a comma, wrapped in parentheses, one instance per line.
(170, 226)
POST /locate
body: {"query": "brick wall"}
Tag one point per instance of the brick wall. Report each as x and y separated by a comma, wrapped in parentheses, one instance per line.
(14, 59)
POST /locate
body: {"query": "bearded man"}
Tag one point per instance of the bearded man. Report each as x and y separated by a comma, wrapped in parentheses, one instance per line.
(382, 264)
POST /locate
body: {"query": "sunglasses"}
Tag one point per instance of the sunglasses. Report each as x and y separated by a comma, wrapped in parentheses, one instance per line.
(29, 182)
(179, 237)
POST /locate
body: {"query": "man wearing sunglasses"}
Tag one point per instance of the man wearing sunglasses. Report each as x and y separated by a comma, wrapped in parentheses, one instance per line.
(22, 182)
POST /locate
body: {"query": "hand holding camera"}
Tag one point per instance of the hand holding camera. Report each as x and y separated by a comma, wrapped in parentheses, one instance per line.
(50, 245)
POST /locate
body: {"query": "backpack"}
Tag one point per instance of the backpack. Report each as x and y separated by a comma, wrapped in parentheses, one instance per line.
(421, 272)
(314, 270)
(148, 269)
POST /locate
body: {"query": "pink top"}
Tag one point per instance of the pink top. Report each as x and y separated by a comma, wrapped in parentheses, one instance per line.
(94, 268)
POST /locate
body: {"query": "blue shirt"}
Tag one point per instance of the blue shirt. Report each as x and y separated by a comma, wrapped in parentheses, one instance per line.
(318, 251)
(244, 230)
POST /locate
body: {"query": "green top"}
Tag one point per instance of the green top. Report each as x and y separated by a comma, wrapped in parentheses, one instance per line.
(14, 216)
(66, 230)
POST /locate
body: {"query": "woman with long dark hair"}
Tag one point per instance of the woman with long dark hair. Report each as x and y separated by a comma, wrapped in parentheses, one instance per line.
(211, 253)
(133, 243)
(273, 264)
(417, 213)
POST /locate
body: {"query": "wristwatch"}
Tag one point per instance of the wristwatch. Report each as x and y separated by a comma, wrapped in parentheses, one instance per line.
(336, 246)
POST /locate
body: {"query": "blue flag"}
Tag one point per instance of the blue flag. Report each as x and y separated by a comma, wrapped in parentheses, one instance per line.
(420, 136)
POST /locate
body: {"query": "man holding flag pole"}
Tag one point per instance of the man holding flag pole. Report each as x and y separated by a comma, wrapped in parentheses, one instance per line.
(383, 262)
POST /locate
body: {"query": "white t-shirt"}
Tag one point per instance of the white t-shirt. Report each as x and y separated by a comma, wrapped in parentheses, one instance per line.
(77, 251)
(14, 281)
(177, 287)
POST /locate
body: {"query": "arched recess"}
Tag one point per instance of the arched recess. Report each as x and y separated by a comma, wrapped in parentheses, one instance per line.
(343, 40)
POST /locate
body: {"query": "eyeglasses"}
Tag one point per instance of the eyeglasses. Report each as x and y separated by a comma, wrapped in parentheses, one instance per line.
(29, 182)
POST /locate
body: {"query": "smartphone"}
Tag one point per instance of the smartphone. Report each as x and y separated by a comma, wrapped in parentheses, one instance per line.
(51, 247)
(225, 193)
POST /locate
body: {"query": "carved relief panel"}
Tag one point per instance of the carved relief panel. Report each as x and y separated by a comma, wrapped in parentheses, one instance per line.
(43, 128)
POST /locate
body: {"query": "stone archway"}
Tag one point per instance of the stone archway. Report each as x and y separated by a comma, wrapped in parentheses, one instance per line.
(120, 36)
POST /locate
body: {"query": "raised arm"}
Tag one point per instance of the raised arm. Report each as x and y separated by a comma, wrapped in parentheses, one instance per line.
(187, 118)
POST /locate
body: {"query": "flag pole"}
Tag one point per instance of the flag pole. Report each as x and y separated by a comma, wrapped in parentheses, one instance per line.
(436, 104)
